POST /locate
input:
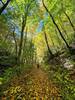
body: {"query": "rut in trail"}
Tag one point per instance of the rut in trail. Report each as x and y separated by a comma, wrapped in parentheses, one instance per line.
(33, 86)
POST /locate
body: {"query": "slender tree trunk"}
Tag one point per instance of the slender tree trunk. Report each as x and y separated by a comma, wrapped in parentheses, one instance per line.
(22, 31)
(16, 48)
(25, 41)
(56, 25)
(52, 42)
(50, 52)
(62, 26)
(58, 39)
(22, 36)
(69, 20)
(4, 6)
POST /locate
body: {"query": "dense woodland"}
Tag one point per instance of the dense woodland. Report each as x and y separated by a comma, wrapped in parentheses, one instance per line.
(37, 49)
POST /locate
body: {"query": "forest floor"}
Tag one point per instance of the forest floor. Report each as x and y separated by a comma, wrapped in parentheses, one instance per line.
(33, 85)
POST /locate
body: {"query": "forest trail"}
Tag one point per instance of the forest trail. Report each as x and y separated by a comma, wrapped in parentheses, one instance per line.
(32, 86)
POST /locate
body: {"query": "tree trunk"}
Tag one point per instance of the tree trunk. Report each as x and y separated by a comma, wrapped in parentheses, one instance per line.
(62, 26)
(22, 35)
(25, 41)
(50, 52)
(58, 39)
(69, 20)
(4, 6)
(52, 40)
(16, 48)
(22, 31)
(56, 25)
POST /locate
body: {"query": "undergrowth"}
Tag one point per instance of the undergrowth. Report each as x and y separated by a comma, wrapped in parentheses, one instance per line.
(11, 72)
(61, 77)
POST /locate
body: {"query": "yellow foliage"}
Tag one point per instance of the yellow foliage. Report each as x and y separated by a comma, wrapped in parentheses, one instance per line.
(35, 86)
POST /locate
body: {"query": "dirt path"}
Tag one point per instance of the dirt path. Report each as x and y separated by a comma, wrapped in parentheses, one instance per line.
(34, 86)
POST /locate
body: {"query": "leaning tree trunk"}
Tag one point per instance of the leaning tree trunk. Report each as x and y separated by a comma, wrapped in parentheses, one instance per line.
(49, 50)
(4, 6)
(58, 39)
(53, 42)
(62, 26)
(69, 20)
(56, 25)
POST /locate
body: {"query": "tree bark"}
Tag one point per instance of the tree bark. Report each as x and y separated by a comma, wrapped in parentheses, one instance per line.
(62, 26)
(22, 35)
(24, 20)
(25, 41)
(69, 20)
(58, 39)
(4, 6)
(50, 52)
(56, 25)
(16, 47)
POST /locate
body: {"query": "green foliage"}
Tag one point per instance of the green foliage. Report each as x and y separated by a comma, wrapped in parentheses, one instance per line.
(29, 52)
(9, 73)
(46, 57)
(61, 77)
(34, 45)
